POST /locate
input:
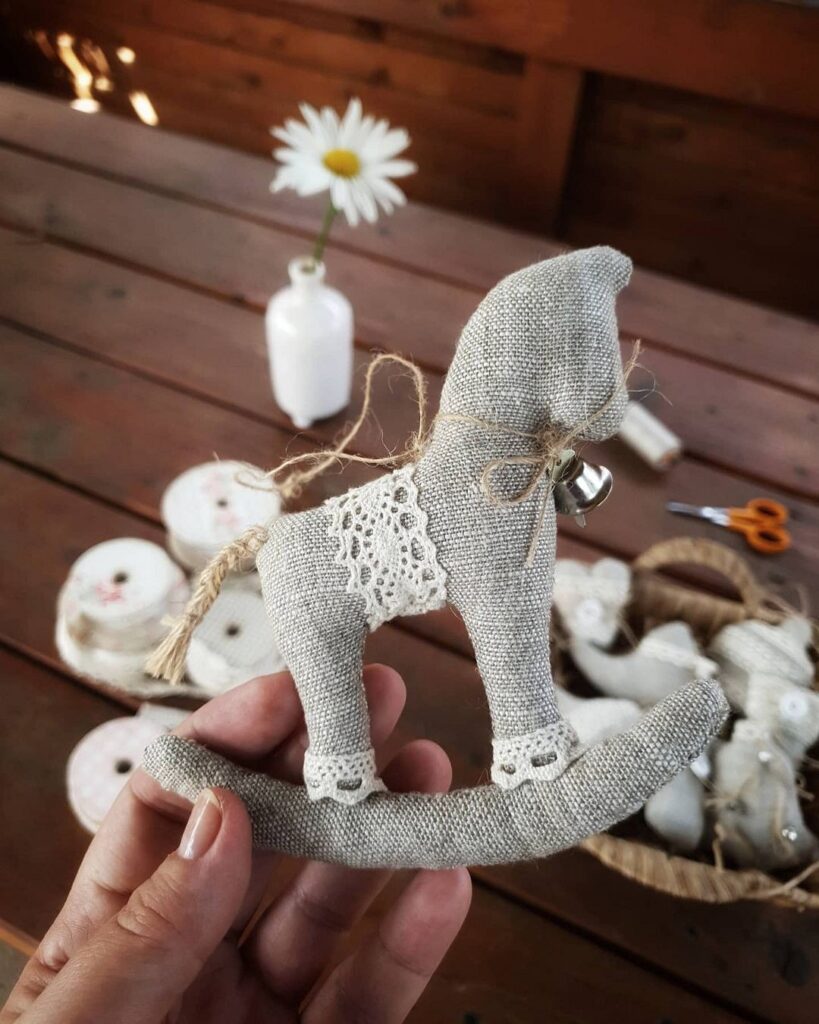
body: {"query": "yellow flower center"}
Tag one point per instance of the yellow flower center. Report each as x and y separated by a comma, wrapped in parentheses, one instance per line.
(343, 162)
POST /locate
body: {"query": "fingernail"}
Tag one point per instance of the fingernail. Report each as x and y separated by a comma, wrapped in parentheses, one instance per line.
(203, 826)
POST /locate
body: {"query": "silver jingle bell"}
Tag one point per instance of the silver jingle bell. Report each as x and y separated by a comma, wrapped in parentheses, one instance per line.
(579, 486)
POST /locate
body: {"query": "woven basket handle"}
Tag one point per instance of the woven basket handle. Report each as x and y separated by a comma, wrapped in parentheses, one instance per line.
(711, 555)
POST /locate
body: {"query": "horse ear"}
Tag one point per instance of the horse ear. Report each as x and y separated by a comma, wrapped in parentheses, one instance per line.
(616, 266)
(607, 265)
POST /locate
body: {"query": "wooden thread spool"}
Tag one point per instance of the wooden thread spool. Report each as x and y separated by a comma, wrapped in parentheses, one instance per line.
(210, 505)
(114, 607)
(650, 438)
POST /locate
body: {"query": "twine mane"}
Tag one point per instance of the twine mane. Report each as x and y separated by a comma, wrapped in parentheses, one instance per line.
(295, 473)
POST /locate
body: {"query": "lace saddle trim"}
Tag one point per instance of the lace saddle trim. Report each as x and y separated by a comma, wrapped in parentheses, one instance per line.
(541, 755)
(345, 778)
(381, 533)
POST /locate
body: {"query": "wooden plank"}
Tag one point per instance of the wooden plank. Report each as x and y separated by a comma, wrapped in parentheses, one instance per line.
(48, 422)
(345, 49)
(456, 176)
(718, 196)
(40, 383)
(100, 308)
(44, 717)
(723, 331)
(445, 703)
(755, 53)
(266, 78)
(165, 235)
(518, 968)
(550, 102)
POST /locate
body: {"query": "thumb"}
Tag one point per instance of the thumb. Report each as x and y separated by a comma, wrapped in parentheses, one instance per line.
(144, 959)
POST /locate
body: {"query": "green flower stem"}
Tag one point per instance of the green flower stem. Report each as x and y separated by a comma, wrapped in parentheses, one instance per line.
(326, 224)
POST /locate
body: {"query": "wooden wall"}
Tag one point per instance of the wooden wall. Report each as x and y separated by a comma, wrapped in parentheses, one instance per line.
(684, 131)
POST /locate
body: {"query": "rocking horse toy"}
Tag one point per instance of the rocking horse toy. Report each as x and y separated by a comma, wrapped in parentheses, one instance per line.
(469, 519)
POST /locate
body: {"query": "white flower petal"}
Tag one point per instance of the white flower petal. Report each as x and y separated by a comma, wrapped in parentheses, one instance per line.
(284, 179)
(342, 198)
(362, 193)
(386, 145)
(371, 146)
(288, 156)
(362, 134)
(329, 119)
(348, 128)
(312, 180)
(387, 193)
(392, 169)
(315, 123)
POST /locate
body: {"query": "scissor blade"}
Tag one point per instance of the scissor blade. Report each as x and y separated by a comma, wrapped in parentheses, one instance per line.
(714, 515)
(679, 508)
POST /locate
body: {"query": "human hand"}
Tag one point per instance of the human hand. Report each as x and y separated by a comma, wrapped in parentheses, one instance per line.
(150, 930)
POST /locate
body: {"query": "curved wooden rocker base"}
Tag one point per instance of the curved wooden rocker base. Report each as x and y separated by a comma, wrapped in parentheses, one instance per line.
(483, 825)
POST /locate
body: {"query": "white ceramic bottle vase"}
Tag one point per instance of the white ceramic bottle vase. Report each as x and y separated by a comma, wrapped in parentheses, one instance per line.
(309, 329)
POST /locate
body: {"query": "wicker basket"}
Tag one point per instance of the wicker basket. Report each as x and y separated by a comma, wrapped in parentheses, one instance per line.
(657, 599)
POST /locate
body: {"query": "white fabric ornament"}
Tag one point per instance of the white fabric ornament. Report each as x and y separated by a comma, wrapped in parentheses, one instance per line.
(677, 812)
(752, 646)
(590, 598)
(788, 712)
(596, 719)
(665, 659)
(210, 505)
(760, 822)
(234, 643)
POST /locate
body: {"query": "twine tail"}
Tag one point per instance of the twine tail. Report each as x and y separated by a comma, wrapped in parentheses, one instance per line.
(168, 660)
(317, 462)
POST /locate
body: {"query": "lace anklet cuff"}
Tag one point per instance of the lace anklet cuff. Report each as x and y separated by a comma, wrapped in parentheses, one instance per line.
(541, 755)
(345, 778)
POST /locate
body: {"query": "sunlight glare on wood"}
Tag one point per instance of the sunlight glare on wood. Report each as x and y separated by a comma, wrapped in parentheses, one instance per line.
(81, 77)
(144, 108)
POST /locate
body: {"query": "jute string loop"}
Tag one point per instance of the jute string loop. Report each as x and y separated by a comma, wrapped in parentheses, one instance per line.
(168, 661)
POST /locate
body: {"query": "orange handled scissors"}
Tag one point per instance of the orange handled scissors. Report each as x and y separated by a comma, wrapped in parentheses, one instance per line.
(761, 521)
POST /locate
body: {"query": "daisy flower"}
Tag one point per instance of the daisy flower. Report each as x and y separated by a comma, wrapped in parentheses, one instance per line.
(352, 157)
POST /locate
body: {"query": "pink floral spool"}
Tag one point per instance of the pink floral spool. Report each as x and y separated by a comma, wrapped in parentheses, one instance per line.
(115, 607)
(102, 762)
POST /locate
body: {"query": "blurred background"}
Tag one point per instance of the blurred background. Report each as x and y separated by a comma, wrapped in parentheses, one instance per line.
(682, 131)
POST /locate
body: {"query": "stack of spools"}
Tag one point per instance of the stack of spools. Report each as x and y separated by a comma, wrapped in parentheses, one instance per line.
(121, 595)
(117, 605)
(113, 608)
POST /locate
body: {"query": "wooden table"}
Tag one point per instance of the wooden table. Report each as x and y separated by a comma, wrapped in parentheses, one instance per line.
(134, 268)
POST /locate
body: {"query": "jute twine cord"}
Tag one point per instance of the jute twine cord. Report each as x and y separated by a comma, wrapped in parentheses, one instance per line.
(168, 661)
(649, 865)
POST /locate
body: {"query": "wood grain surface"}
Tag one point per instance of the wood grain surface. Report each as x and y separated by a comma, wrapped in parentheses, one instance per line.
(133, 270)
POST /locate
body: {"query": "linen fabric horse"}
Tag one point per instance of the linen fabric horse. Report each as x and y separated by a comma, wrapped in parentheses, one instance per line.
(540, 357)
(471, 521)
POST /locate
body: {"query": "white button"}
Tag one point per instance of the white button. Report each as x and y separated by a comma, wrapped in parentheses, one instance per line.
(794, 706)
(589, 613)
